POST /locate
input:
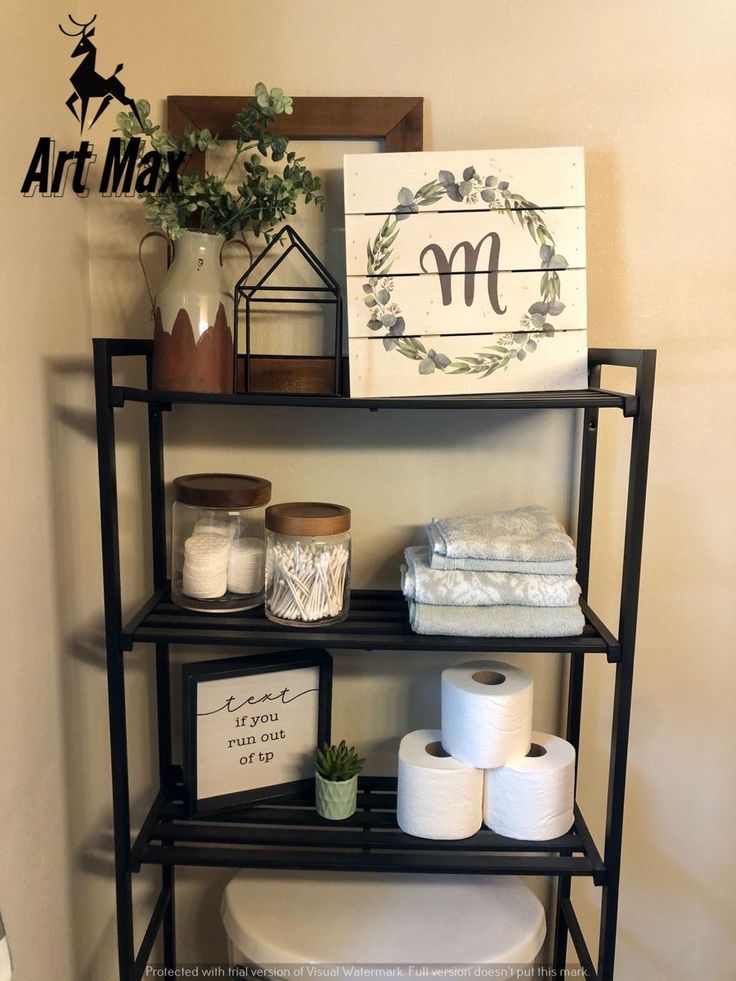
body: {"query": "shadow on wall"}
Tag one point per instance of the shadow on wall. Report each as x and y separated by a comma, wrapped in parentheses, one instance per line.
(75, 553)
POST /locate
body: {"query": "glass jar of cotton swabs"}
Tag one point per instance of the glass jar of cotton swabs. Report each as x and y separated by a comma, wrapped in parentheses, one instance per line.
(217, 541)
(307, 563)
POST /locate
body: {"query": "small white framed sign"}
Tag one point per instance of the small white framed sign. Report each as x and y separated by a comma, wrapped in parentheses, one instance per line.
(252, 725)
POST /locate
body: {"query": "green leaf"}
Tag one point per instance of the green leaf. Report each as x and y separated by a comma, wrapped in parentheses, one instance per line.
(389, 239)
(491, 181)
(488, 196)
(426, 367)
(465, 187)
(370, 301)
(383, 296)
(405, 196)
(469, 173)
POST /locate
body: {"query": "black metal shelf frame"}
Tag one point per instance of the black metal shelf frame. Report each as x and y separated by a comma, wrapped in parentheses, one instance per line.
(378, 620)
(287, 832)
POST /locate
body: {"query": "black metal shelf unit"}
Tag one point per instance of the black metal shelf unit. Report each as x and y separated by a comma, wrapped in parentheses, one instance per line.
(287, 833)
(378, 620)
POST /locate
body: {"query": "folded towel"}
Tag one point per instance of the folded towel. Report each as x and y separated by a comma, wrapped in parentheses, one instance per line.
(565, 567)
(437, 587)
(496, 621)
(529, 534)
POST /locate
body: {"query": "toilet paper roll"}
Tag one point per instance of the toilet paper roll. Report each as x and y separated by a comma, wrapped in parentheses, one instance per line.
(438, 797)
(486, 712)
(533, 798)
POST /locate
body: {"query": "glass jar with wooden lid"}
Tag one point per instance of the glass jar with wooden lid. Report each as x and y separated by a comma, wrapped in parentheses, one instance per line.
(307, 563)
(217, 541)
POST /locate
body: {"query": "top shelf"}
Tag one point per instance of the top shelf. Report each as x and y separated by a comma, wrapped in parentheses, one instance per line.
(590, 398)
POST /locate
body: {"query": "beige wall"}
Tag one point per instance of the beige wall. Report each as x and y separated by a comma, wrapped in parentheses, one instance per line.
(646, 88)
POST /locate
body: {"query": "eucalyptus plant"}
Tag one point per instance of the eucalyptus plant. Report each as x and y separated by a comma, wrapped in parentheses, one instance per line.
(202, 202)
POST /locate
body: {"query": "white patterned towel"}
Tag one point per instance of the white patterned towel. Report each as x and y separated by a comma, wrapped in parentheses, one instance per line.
(529, 534)
(565, 567)
(437, 587)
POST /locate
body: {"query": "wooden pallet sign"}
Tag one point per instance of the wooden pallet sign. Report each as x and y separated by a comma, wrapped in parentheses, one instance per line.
(466, 272)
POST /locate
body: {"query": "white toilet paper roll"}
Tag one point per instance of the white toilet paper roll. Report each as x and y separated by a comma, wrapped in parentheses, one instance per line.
(533, 798)
(486, 712)
(438, 797)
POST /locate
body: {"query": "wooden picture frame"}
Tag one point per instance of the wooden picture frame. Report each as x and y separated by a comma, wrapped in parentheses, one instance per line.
(396, 119)
(233, 756)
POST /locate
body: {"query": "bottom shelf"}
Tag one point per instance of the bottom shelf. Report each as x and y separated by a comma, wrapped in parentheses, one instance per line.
(287, 832)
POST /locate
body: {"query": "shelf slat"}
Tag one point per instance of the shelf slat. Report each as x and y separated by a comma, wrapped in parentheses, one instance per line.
(378, 620)
(590, 398)
(288, 833)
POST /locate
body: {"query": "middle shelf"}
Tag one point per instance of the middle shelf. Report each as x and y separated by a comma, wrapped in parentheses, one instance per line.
(287, 832)
(378, 620)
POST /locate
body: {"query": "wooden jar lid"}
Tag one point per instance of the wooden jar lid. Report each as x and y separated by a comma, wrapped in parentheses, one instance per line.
(222, 490)
(308, 518)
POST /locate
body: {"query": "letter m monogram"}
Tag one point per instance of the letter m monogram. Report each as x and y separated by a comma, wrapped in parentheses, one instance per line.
(471, 255)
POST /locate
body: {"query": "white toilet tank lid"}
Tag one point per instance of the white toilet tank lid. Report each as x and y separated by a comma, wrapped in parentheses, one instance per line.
(287, 917)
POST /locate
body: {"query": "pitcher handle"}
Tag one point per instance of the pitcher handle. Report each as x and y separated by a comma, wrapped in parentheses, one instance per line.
(169, 260)
(242, 243)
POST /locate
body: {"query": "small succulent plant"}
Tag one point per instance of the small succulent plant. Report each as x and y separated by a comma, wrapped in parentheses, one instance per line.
(338, 762)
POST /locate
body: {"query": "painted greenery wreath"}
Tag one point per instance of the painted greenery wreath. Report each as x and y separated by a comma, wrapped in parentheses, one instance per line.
(385, 312)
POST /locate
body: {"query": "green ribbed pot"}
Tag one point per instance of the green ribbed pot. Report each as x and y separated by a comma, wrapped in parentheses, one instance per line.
(335, 799)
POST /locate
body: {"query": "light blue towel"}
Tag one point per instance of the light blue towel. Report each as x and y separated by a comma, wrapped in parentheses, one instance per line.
(453, 588)
(496, 621)
(528, 534)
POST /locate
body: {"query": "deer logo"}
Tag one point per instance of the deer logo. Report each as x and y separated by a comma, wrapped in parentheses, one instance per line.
(87, 83)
